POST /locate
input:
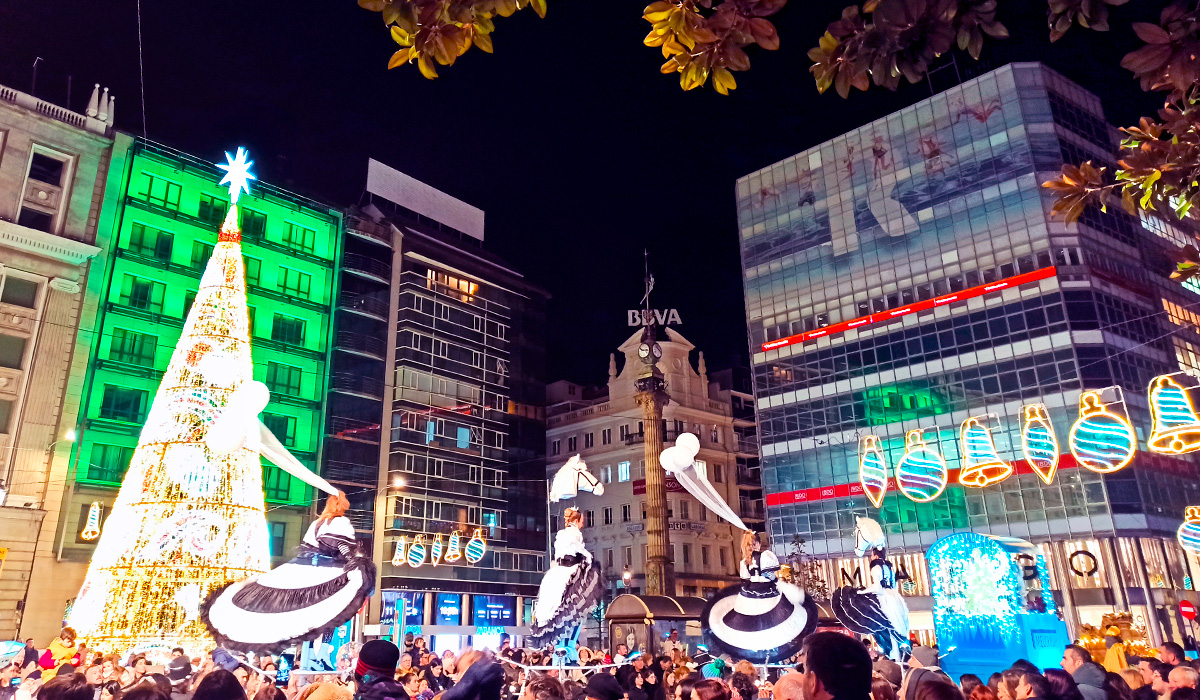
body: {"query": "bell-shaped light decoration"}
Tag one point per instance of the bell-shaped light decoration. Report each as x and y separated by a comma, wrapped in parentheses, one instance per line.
(1176, 427)
(982, 465)
(1038, 442)
(1101, 440)
(476, 547)
(401, 550)
(872, 469)
(921, 474)
(453, 553)
(91, 529)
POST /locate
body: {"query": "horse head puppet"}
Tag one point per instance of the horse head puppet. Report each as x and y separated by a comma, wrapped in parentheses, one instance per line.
(572, 478)
(868, 535)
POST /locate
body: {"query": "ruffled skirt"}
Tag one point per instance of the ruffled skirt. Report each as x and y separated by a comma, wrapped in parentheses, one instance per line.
(883, 615)
(294, 602)
(762, 623)
(567, 594)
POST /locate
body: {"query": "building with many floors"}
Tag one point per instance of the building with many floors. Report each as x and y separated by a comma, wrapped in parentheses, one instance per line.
(908, 275)
(604, 426)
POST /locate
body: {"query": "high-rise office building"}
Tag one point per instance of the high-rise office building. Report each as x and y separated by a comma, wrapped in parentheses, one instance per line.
(464, 434)
(53, 165)
(162, 209)
(908, 276)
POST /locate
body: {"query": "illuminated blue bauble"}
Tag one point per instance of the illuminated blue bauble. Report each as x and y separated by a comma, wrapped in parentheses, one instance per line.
(1101, 440)
(921, 473)
(475, 548)
(416, 553)
(1188, 534)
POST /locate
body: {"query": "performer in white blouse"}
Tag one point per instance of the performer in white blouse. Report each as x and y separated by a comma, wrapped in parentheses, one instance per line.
(572, 586)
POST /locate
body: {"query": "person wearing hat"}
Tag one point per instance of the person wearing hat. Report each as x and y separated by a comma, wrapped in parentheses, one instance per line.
(625, 674)
(922, 668)
(888, 670)
(603, 686)
(376, 670)
(1114, 658)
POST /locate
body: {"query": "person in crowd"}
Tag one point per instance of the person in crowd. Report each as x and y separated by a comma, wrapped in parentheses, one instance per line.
(626, 673)
(1115, 687)
(994, 681)
(375, 672)
(1183, 677)
(1159, 680)
(1114, 658)
(881, 689)
(1133, 677)
(888, 670)
(604, 686)
(922, 668)
(438, 680)
(1062, 685)
(968, 682)
(410, 683)
(480, 677)
(1170, 653)
(542, 688)
(1024, 666)
(835, 667)
(110, 690)
(938, 691)
(652, 685)
(136, 671)
(743, 685)
(1033, 686)
(710, 689)
(1007, 689)
(665, 665)
(637, 690)
(95, 672)
(179, 670)
(683, 689)
(1088, 674)
(61, 651)
(29, 660)
(219, 684)
(1145, 671)
(145, 691)
(619, 656)
(982, 692)
(1185, 694)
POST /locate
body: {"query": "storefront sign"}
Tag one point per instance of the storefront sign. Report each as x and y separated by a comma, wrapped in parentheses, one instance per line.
(414, 607)
(653, 317)
(489, 631)
(449, 608)
(637, 527)
(1083, 563)
(493, 610)
(694, 527)
(1187, 609)
(673, 486)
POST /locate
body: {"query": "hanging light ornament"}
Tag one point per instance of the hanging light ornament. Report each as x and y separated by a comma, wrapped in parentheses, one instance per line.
(401, 550)
(1038, 441)
(982, 465)
(872, 469)
(91, 530)
(1188, 534)
(476, 547)
(436, 550)
(921, 473)
(416, 553)
(452, 551)
(1176, 427)
(1101, 440)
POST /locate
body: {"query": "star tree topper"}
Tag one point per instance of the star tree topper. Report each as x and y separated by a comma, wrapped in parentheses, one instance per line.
(237, 173)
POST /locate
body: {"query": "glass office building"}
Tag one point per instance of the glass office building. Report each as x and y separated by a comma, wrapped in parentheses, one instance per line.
(908, 276)
(161, 214)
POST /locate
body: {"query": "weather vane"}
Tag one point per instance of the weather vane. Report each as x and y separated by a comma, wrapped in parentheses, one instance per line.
(237, 173)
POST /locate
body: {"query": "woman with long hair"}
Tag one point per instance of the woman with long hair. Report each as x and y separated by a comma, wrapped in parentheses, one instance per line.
(570, 589)
(1062, 685)
(710, 689)
(1007, 688)
(1116, 688)
(882, 689)
(319, 589)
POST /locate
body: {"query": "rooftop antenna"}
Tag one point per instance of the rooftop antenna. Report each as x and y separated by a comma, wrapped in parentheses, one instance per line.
(648, 279)
(33, 83)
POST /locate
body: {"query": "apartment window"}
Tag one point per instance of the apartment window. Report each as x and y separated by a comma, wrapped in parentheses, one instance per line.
(643, 510)
(703, 514)
(606, 436)
(278, 534)
(282, 427)
(254, 224)
(572, 443)
(608, 515)
(253, 271)
(47, 169)
(626, 514)
(704, 556)
(299, 237)
(628, 556)
(37, 220)
(283, 378)
(724, 562)
(5, 414)
(132, 347)
(623, 471)
(12, 351)
(687, 554)
(714, 436)
(555, 447)
(189, 298)
(19, 292)
(606, 474)
(589, 518)
(718, 473)
(109, 463)
(160, 192)
(589, 440)
(684, 507)
(286, 329)
(122, 403)
(201, 253)
(277, 484)
(294, 282)
(623, 431)
(461, 289)
(150, 242)
(143, 294)
(212, 209)
(51, 171)
(608, 559)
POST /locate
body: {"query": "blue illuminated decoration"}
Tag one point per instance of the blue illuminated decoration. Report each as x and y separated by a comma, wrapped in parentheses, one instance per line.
(1176, 427)
(992, 603)
(476, 547)
(416, 552)
(872, 469)
(1038, 442)
(982, 465)
(435, 551)
(237, 173)
(1189, 532)
(452, 550)
(921, 473)
(401, 551)
(1101, 440)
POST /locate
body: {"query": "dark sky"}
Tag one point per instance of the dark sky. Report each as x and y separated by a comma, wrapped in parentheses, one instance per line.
(580, 152)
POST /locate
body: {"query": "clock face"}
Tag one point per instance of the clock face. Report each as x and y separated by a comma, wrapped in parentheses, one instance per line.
(643, 351)
(657, 350)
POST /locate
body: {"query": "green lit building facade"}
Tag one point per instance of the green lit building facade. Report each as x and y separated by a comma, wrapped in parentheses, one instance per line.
(159, 224)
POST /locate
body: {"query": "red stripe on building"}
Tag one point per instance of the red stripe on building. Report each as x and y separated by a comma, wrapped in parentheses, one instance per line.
(885, 316)
(824, 493)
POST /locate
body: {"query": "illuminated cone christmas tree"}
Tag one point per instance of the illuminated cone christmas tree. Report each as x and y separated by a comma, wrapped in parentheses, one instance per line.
(187, 519)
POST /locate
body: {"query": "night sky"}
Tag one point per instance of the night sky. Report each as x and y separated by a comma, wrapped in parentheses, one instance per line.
(579, 151)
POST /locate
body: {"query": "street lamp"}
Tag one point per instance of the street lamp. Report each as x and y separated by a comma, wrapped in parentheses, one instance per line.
(627, 576)
(398, 482)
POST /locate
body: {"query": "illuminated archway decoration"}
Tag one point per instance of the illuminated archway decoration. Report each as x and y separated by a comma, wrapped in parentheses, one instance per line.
(1038, 441)
(476, 547)
(872, 469)
(1101, 440)
(91, 530)
(921, 473)
(453, 553)
(1176, 427)
(1189, 532)
(435, 551)
(401, 550)
(982, 465)
(416, 552)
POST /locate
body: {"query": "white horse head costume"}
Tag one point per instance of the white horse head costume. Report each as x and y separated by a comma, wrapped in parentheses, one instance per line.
(868, 535)
(572, 478)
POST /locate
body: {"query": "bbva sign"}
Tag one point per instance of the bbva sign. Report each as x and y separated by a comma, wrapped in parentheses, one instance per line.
(651, 317)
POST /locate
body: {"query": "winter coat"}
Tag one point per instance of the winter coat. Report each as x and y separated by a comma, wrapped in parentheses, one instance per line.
(381, 689)
(1090, 679)
(62, 654)
(483, 681)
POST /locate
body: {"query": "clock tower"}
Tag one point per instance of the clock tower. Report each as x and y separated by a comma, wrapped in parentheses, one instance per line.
(651, 396)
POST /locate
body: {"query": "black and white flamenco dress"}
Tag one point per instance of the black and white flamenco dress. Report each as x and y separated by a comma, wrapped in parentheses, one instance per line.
(762, 620)
(318, 590)
(877, 610)
(570, 589)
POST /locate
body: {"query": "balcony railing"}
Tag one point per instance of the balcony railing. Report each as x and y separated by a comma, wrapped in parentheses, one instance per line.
(353, 429)
(355, 473)
(357, 384)
(361, 519)
(362, 344)
(370, 266)
(639, 438)
(747, 444)
(369, 229)
(752, 511)
(364, 304)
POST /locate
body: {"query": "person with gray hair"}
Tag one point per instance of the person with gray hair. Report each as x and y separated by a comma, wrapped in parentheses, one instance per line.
(1183, 677)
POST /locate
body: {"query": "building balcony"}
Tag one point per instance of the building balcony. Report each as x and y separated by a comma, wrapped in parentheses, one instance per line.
(743, 413)
(364, 305)
(750, 478)
(352, 429)
(363, 520)
(357, 385)
(746, 445)
(360, 344)
(367, 267)
(364, 474)
(370, 230)
(640, 438)
(752, 511)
